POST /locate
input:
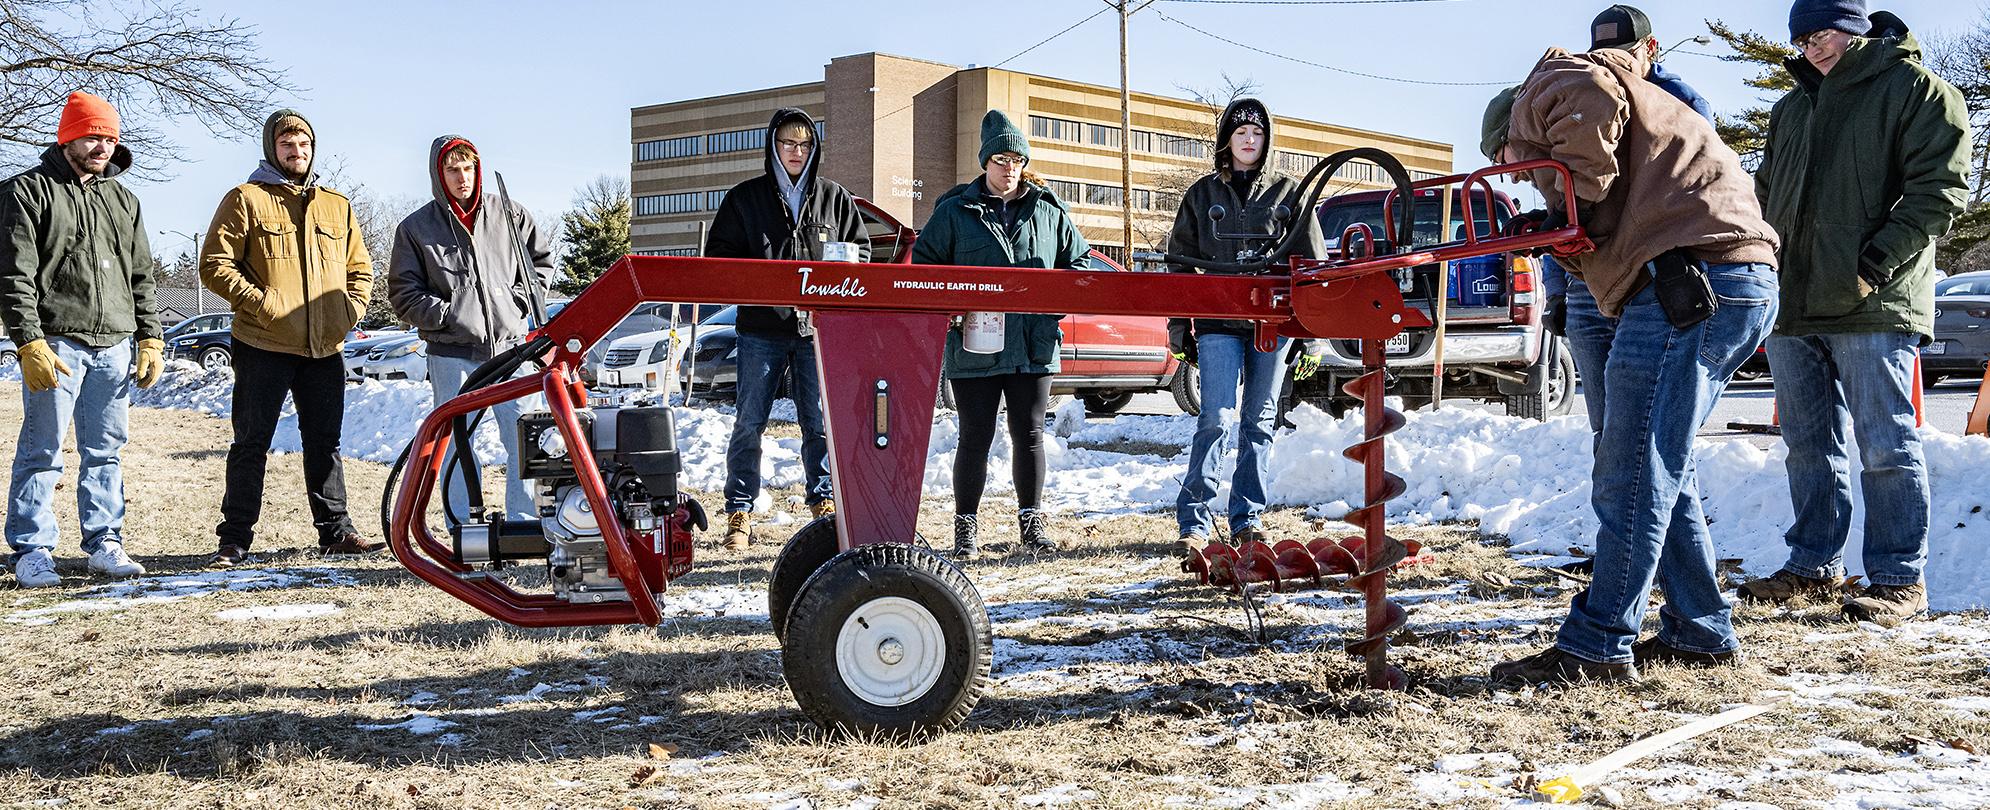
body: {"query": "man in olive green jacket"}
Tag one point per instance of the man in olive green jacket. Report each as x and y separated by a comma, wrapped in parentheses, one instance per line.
(287, 254)
(76, 290)
(1863, 170)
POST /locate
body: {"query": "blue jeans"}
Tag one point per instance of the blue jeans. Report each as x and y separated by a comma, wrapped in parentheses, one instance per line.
(95, 394)
(1589, 335)
(762, 361)
(1825, 384)
(1223, 360)
(1660, 383)
(445, 377)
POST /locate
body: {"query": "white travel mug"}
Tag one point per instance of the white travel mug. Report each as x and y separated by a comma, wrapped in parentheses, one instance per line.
(983, 332)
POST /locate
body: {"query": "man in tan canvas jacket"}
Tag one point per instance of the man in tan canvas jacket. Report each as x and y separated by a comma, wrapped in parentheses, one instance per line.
(287, 255)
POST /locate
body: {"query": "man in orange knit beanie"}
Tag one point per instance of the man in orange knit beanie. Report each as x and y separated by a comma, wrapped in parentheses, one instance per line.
(76, 293)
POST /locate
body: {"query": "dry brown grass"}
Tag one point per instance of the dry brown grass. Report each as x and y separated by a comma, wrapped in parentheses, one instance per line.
(266, 714)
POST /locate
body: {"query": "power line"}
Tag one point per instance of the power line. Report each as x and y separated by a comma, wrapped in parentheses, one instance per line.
(1295, 59)
(1018, 55)
(1046, 40)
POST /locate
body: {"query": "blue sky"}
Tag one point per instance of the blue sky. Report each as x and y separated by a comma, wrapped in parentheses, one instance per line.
(545, 88)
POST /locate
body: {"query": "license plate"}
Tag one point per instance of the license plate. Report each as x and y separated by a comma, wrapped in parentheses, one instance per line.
(1937, 347)
(1400, 344)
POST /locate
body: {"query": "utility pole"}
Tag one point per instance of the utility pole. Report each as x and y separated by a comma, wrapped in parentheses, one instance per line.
(1125, 133)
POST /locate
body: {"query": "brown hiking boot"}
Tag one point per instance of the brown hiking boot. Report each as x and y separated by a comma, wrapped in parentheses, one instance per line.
(1248, 534)
(228, 557)
(1190, 545)
(348, 543)
(1653, 651)
(739, 530)
(1888, 605)
(822, 509)
(1785, 585)
(1557, 667)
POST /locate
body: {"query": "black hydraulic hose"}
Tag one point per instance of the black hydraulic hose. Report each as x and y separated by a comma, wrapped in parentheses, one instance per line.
(494, 370)
(1310, 189)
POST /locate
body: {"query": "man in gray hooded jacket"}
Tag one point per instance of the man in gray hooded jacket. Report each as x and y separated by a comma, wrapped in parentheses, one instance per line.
(456, 275)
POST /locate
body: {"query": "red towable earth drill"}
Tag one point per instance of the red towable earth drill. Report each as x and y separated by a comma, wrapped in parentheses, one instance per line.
(879, 633)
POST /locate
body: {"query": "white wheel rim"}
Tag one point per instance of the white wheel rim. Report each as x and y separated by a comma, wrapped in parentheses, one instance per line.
(890, 651)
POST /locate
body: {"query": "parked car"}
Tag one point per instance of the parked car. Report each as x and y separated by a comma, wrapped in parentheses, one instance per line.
(356, 351)
(1494, 346)
(10, 355)
(712, 367)
(401, 358)
(200, 323)
(211, 348)
(1962, 329)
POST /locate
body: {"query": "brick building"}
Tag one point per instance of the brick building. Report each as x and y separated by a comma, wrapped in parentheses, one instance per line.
(902, 131)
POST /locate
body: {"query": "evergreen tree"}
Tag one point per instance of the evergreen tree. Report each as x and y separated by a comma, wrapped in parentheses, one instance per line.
(594, 234)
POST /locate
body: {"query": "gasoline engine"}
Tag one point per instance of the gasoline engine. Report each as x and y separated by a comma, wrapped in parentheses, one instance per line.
(634, 450)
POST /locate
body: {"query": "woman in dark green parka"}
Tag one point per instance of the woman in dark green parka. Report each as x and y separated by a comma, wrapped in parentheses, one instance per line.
(1002, 219)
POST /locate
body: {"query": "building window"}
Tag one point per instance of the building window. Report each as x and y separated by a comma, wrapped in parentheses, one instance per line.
(665, 149)
(1296, 164)
(1361, 171)
(1064, 189)
(713, 198)
(738, 140)
(668, 252)
(1143, 199)
(660, 204)
(1143, 141)
(1102, 195)
(1102, 136)
(1417, 175)
(1055, 129)
(1184, 147)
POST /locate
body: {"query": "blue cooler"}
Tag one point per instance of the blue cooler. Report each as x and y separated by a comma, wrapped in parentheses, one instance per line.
(1479, 281)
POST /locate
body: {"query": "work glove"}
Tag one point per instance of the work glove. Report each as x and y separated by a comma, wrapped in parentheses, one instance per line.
(1181, 340)
(151, 361)
(1311, 354)
(1555, 316)
(40, 368)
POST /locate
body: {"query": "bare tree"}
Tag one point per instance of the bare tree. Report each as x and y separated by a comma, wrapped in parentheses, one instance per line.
(1964, 60)
(378, 216)
(157, 62)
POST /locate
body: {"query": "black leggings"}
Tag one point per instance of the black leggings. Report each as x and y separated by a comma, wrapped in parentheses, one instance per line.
(977, 398)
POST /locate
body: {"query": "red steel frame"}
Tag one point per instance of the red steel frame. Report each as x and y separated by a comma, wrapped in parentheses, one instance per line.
(879, 332)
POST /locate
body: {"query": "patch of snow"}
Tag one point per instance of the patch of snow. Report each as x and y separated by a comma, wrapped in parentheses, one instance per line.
(1068, 793)
(144, 591)
(276, 612)
(420, 724)
(1320, 791)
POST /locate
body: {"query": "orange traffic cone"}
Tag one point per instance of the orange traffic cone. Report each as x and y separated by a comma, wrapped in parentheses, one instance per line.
(1979, 414)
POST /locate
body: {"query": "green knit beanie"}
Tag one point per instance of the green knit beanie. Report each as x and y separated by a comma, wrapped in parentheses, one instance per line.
(999, 134)
(1499, 115)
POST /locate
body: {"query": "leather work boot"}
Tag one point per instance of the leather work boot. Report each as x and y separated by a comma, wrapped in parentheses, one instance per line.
(967, 543)
(1782, 586)
(1035, 528)
(1888, 605)
(739, 530)
(1553, 666)
(1189, 545)
(1653, 651)
(1248, 534)
(348, 543)
(822, 508)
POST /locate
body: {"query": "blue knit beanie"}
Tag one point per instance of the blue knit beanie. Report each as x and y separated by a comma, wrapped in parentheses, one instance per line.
(999, 134)
(1811, 16)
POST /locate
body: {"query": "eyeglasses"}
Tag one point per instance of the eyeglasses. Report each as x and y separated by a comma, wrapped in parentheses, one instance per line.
(1813, 39)
(795, 146)
(1010, 160)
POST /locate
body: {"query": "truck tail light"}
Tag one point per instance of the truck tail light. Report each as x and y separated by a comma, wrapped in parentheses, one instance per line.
(1520, 286)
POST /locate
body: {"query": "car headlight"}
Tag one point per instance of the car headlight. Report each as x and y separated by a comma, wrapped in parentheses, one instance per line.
(660, 351)
(400, 351)
(185, 343)
(734, 354)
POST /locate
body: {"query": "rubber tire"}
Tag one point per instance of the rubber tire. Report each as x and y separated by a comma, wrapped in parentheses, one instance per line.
(1187, 388)
(214, 357)
(1544, 405)
(805, 552)
(843, 586)
(1107, 404)
(946, 397)
(9, 359)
